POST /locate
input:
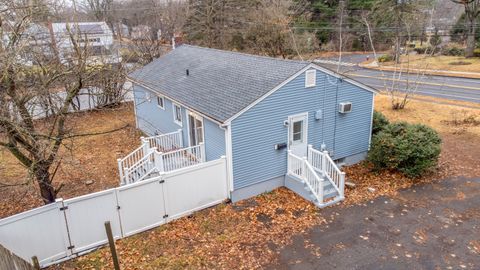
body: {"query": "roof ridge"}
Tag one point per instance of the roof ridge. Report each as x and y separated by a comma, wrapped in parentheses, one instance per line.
(248, 54)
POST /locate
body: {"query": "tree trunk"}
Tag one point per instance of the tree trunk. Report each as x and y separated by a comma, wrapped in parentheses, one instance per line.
(47, 191)
(469, 51)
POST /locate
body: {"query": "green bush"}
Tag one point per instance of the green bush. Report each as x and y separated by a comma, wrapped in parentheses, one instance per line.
(426, 50)
(476, 52)
(385, 58)
(379, 122)
(410, 149)
(453, 51)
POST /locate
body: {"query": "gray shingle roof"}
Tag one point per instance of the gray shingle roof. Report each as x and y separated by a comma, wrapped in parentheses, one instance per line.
(220, 83)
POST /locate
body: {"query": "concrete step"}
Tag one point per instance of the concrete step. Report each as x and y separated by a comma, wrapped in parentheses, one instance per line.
(329, 191)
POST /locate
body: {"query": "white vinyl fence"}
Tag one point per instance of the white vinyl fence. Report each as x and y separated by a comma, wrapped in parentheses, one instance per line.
(87, 99)
(68, 228)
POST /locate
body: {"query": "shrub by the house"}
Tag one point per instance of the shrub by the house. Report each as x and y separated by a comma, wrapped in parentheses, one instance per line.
(379, 122)
(411, 149)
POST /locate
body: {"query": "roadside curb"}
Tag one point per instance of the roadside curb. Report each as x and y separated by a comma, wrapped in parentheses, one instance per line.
(444, 73)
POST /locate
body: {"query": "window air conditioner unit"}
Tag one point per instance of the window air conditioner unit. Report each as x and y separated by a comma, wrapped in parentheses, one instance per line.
(345, 107)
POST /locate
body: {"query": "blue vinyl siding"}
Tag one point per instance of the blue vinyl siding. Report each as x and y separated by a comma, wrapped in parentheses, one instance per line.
(214, 140)
(256, 131)
(153, 120)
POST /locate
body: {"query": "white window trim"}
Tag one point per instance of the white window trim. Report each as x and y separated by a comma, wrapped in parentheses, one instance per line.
(180, 123)
(199, 117)
(163, 102)
(305, 127)
(312, 72)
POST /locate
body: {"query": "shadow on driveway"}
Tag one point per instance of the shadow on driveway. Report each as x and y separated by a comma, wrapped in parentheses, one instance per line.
(434, 226)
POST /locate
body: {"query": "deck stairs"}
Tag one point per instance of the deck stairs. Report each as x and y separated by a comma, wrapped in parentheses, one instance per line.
(157, 154)
(320, 179)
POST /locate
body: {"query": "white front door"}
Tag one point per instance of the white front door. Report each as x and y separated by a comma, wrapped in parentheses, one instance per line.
(297, 134)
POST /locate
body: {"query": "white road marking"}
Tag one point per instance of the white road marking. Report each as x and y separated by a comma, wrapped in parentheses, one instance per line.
(333, 62)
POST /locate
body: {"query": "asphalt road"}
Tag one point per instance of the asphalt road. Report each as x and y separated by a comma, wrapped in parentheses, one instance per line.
(435, 226)
(453, 88)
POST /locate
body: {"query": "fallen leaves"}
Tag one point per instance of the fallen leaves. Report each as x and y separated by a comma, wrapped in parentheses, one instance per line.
(90, 158)
(245, 235)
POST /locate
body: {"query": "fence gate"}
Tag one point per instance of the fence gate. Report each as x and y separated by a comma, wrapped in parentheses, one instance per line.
(86, 216)
(70, 227)
(40, 232)
(141, 206)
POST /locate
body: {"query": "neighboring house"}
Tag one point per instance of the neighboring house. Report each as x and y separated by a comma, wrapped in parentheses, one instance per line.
(141, 32)
(35, 41)
(261, 113)
(97, 36)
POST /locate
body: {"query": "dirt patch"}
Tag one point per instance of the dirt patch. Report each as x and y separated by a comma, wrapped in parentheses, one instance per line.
(89, 163)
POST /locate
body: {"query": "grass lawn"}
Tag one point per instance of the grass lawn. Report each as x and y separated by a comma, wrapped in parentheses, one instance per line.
(441, 62)
(249, 234)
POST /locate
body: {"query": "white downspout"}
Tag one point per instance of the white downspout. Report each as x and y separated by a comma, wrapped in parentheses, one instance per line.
(229, 155)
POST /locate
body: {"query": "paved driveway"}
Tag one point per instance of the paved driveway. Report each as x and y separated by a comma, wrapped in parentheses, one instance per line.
(428, 227)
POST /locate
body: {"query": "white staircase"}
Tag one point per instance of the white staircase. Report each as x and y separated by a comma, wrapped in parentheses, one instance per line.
(161, 153)
(322, 179)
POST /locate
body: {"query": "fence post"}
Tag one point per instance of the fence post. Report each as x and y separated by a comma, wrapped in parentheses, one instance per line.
(111, 243)
(324, 161)
(289, 161)
(202, 152)
(145, 145)
(304, 168)
(342, 185)
(180, 138)
(309, 153)
(158, 161)
(321, 190)
(120, 171)
(36, 264)
(127, 176)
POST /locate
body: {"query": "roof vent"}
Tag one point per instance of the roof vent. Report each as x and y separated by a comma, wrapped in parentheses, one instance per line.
(188, 72)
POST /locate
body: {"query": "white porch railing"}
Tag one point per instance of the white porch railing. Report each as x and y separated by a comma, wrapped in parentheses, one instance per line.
(141, 169)
(165, 142)
(130, 160)
(161, 153)
(314, 170)
(322, 162)
(181, 158)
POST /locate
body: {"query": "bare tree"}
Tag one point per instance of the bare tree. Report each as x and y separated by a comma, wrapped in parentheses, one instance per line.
(472, 12)
(102, 11)
(29, 90)
(404, 82)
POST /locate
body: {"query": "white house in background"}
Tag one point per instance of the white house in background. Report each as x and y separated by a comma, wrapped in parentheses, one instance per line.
(141, 32)
(96, 35)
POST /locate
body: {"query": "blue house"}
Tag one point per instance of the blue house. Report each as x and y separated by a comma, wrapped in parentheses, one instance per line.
(278, 122)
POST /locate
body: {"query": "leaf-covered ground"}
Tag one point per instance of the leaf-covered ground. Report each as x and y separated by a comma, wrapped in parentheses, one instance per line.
(250, 234)
(247, 234)
(89, 164)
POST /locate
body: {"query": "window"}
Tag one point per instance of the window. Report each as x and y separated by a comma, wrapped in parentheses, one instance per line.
(298, 131)
(177, 114)
(310, 78)
(195, 129)
(161, 102)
